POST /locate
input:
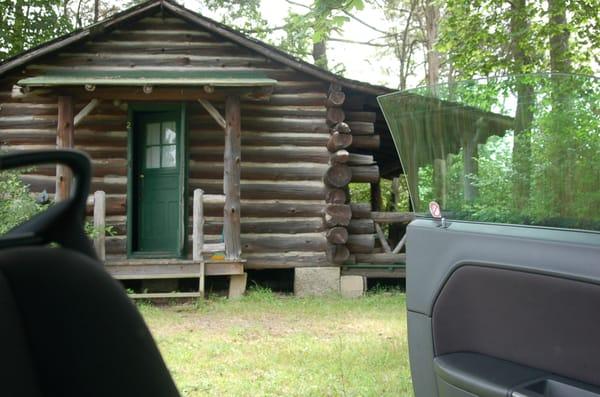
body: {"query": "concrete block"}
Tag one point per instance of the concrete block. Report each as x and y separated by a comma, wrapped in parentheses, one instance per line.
(352, 286)
(316, 281)
(237, 285)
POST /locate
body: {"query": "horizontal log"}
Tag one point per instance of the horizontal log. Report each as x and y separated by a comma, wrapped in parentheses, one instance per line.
(300, 87)
(265, 154)
(134, 60)
(367, 117)
(365, 173)
(284, 260)
(392, 217)
(213, 206)
(252, 109)
(361, 243)
(251, 243)
(299, 190)
(81, 134)
(27, 109)
(369, 142)
(110, 185)
(337, 235)
(275, 124)
(261, 171)
(337, 254)
(360, 159)
(380, 259)
(337, 215)
(307, 99)
(295, 225)
(100, 168)
(339, 141)
(259, 138)
(361, 210)
(361, 226)
(214, 225)
(338, 175)
(361, 128)
(115, 204)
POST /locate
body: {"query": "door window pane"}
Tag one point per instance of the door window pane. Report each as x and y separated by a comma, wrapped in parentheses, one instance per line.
(153, 157)
(169, 156)
(153, 134)
(169, 134)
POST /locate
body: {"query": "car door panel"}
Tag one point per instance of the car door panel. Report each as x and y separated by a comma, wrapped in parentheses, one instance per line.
(526, 297)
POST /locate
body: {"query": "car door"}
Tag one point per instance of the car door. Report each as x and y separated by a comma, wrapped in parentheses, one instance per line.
(503, 288)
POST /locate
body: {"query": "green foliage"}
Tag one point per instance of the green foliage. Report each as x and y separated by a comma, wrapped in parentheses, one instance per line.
(492, 37)
(28, 23)
(361, 193)
(16, 203)
(563, 141)
(93, 232)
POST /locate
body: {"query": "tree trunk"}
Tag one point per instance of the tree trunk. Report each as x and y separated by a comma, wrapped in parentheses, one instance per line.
(319, 53)
(524, 116)
(96, 10)
(432, 18)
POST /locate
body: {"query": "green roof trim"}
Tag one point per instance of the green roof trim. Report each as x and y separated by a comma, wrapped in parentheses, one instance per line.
(155, 78)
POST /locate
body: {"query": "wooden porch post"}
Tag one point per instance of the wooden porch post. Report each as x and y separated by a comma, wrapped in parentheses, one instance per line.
(64, 139)
(231, 178)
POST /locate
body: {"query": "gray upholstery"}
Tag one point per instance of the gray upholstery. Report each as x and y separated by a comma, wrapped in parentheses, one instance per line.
(531, 319)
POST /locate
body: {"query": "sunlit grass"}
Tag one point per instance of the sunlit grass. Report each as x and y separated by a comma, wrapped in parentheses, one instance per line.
(270, 345)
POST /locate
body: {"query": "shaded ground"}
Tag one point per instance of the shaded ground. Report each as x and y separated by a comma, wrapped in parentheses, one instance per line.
(268, 345)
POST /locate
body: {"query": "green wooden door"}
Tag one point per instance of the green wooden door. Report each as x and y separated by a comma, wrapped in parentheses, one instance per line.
(158, 190)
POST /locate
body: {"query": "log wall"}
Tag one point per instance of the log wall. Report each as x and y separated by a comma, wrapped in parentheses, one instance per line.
(295, 203)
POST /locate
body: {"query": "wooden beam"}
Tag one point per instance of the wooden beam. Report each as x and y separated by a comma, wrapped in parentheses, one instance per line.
(400, 245)
(214, 112)
(376, 199)
(392, 217)
(64, 139)
(100, 224)
(382, 239)
(231, 179)
(87, 109)
(198, 235)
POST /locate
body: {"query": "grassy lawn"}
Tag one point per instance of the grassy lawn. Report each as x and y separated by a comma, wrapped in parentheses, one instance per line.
(269, 345)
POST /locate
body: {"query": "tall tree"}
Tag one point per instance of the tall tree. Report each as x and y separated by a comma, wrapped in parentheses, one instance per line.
(26, 23)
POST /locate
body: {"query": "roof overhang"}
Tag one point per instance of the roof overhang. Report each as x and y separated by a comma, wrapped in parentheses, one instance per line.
(148, 78)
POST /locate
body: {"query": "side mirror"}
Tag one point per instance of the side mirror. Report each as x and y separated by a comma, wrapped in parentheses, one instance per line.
(62, 223)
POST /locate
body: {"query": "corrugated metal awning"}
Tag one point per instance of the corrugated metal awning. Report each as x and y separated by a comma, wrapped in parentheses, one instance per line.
(149, 78)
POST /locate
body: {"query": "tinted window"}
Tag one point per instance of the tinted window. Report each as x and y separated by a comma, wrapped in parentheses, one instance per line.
(519, 150)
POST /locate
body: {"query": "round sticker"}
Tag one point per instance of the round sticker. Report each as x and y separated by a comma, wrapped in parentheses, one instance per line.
(435, 210)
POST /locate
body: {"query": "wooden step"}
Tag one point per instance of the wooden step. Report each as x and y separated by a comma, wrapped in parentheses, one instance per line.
(162, 295)
(140, 269)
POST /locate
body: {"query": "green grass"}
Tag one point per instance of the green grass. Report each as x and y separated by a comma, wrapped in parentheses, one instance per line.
(270, 345)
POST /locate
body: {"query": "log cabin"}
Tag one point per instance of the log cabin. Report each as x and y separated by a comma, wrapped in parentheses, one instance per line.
(205, 141)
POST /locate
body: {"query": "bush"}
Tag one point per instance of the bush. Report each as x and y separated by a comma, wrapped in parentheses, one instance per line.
(16, 202)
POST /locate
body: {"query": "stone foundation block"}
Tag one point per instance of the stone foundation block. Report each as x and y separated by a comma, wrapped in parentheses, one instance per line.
(352, 286)
(316, 281)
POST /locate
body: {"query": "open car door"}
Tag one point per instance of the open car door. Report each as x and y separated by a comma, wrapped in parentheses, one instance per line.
(503, 286)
